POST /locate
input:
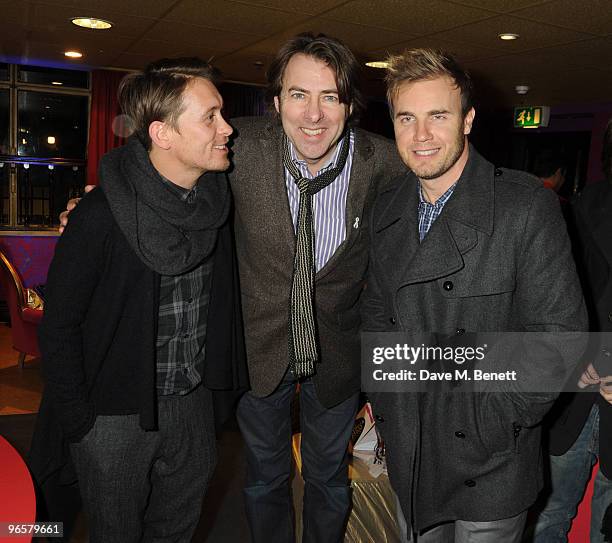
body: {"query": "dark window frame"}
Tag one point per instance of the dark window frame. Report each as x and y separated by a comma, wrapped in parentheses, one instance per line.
(13, 161)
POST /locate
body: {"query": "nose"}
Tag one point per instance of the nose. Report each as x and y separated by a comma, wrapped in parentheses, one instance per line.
(314, 111)
(422, 132)
(224, 128)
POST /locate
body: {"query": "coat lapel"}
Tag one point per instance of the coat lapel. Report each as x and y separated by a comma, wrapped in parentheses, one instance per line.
(273, 183)
(453, 234)
(359, 185)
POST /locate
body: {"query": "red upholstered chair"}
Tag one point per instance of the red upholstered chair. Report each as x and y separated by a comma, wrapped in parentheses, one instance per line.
(24, 319)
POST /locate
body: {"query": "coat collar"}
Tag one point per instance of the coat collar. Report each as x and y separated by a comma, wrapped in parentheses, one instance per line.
(471, 203)
(455, 232)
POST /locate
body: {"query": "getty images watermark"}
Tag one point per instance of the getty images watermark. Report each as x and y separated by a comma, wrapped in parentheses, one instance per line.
(533, 362)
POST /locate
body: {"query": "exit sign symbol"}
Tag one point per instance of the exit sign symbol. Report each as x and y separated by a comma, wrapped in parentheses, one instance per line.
(531, 117)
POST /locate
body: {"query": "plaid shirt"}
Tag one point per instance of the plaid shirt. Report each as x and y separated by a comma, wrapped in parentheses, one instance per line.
(181, 327)
(428, 213)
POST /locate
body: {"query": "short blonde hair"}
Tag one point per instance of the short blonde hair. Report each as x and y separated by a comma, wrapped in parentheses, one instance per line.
(423, 64)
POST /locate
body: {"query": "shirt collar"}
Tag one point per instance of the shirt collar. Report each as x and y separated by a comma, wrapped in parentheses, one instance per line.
(186, 195)
(440, 201)
(333, 160)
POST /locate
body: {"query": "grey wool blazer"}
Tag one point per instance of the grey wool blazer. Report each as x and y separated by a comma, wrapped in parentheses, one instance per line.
(265, 243)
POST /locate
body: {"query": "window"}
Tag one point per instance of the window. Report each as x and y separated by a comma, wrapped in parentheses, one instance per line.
(51, 125)
(5, 116)
(44, 190)
(49, 76)
(44, 116)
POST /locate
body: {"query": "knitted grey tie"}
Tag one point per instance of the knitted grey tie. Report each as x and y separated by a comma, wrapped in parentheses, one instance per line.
(303, 341)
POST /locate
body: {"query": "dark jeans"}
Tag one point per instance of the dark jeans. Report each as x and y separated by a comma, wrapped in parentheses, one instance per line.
(266, 428)
(148, 486)
(569, 474)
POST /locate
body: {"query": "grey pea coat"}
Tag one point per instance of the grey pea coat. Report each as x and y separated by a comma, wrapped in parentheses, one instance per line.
(496, 259)
(265, 244)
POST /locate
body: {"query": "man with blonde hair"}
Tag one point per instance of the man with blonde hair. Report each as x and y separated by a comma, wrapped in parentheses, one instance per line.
(460, 247)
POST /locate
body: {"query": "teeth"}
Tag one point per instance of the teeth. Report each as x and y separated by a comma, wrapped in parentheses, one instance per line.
(310, 132)
(426, 153)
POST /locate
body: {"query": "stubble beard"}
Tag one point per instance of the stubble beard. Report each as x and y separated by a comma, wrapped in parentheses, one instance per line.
(449, 162)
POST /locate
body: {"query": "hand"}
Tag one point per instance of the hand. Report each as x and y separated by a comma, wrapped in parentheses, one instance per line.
(69, 207)
(589, 377)
(605, 388)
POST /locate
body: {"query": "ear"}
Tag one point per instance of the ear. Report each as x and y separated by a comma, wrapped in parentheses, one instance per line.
(468, 121)
(160, 135)
(277, 104)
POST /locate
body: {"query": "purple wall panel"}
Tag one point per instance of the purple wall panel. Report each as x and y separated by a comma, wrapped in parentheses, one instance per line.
(31, 255)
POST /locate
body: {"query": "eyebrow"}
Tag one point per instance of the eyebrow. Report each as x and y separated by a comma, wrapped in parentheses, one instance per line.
(211, 109)
(432, 112)
(305, 91)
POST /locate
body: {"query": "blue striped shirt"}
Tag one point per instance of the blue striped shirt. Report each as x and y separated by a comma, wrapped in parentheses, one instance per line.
(428, 213)
(328, 205)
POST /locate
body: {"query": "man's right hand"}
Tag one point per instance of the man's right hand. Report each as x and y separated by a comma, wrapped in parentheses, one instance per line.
(69, 207)
(589, 377)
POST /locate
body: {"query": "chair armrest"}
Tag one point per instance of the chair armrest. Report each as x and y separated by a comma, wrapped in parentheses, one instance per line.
(33, 316)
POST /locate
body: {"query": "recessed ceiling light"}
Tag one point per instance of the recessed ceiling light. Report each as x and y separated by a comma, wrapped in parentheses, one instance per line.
(92, 23)
(521, 89)
(56, 83)
(73, 54)
(507, 36)
(377, 64)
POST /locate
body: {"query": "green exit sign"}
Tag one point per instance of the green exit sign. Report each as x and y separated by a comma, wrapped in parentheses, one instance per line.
(531, 117)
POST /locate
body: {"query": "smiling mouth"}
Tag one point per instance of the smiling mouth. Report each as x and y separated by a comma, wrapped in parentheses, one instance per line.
(426, 152)
(312, 131)
(220, 147)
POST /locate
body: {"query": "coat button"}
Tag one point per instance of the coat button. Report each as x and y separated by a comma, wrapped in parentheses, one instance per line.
(470, 483)
(498, 172)
(460, 435)
(447, 285)
(379, 418)
(460, 331)
(392, 320)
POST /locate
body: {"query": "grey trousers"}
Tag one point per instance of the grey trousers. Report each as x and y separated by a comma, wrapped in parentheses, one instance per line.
(508, 530)
(148, 486)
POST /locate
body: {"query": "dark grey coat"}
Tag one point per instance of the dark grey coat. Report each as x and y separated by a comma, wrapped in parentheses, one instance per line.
(501, 245)
(265, 243)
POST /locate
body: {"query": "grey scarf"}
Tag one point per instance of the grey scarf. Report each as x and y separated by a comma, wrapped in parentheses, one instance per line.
(169, 235)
